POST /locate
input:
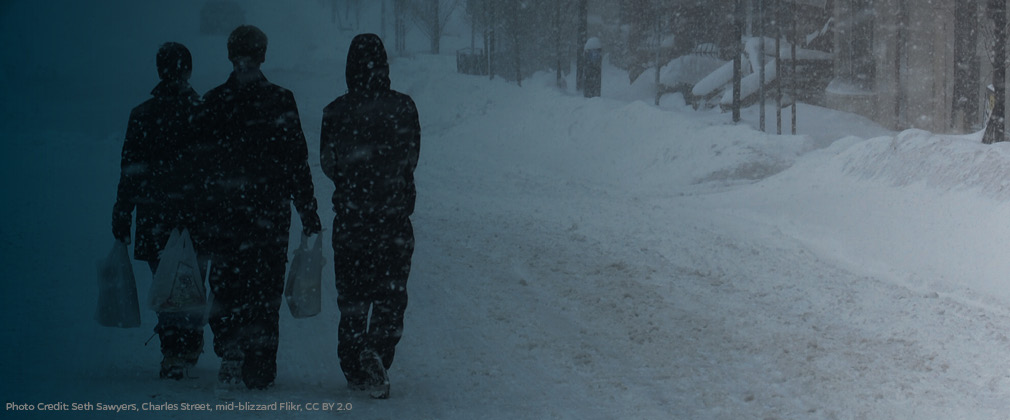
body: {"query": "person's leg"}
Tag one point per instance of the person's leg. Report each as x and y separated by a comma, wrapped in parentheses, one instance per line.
(261, 315)
(224, 323)
(191, 326)
(390, 293)
(353, 303)
(181, 337)
(390, 298)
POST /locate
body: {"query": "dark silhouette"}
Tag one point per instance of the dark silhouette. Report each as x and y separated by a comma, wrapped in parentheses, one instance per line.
(254, 163)
(155, 181)
(369, 147)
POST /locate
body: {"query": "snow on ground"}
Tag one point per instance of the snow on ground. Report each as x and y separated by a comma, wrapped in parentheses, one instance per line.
(576, 258)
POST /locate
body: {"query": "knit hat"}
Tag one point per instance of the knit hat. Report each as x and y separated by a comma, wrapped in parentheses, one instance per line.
(247, 41)
(174, 62)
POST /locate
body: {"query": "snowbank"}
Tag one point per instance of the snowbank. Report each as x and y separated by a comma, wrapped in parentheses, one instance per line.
(920, 209)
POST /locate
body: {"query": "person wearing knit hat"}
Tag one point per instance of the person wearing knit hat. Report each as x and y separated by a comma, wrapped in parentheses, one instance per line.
(174, 61)
(247, 42)
(156, 183)
(254, 161)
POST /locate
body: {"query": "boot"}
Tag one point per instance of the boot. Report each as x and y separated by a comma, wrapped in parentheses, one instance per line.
(377, 382)
(230, 372)
(173, 368)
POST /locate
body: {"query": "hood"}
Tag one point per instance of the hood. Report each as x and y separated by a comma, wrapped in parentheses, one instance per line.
(367, 66)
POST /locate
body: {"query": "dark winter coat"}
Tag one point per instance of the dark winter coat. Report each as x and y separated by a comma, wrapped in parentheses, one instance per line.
(369, 146)
(254, 163)
(153, 178)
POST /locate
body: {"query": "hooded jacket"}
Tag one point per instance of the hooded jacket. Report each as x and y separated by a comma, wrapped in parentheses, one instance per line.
(153, 179)
(370, 142)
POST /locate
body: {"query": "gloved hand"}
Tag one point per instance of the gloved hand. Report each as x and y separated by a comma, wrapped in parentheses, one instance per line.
(311, 224)
(121, 231)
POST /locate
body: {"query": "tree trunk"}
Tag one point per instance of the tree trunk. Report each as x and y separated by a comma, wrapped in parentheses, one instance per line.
(436, 27)
(995, 130)
(492, 47)
(580, 45)
(761, 64)
(399, 25)
(966, 65)
(738, 22)
(556, 30)
(516, 41)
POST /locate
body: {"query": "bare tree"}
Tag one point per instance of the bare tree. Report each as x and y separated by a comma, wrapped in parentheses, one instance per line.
(483, 16)
(343, 17)
(431, 16)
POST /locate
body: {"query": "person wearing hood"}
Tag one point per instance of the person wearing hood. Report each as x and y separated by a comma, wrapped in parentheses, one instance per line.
(254, 167)
(154, 182)
(369, 147)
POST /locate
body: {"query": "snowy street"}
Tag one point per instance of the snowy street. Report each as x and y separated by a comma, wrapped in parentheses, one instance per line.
(655, 320)
(651, 303)
(576, 258)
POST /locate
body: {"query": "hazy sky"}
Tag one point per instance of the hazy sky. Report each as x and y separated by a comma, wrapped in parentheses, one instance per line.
(100, 55)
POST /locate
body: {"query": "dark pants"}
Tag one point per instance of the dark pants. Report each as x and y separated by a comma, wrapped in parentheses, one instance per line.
(180, 333)
(247, 287)
(372, 264)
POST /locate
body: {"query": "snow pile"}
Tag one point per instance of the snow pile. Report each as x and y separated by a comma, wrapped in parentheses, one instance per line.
(630, 145)
(920, 209)
(689, 69)
(944, 163)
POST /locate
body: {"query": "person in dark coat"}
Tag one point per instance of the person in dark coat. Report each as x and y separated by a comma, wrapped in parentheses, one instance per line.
(154, 182)
(369, 147)
(255, 164)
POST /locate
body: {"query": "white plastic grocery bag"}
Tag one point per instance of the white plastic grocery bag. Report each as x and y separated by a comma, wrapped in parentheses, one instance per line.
(177, 285)
(304, 279)
(117, 290)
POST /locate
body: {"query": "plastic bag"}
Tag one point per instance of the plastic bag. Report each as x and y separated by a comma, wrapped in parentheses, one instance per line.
(177, 285)
(117, 290)
(304, 279)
